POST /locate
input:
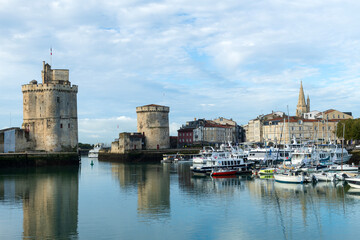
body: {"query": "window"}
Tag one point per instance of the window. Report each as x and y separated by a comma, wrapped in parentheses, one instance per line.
(58, 99)
(60, 125)
(68, 125)
(300, 128)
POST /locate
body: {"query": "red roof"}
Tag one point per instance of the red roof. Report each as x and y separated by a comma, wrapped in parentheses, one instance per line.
(212, 124)
(153, 105)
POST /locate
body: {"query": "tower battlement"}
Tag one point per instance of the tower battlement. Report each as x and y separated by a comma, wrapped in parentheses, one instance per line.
(152, 108)
(48, 87)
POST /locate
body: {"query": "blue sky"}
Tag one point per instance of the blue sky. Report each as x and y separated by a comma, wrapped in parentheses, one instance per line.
(203, 59)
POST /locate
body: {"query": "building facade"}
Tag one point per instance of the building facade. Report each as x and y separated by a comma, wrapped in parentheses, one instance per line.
(127, 142)
(305, 126)
(206, 132)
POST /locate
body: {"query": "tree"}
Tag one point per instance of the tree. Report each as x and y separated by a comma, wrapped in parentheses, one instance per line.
(352, 129)
(85, 146)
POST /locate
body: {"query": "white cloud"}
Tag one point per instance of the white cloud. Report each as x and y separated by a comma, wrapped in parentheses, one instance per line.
(104, 129)
(202, 58)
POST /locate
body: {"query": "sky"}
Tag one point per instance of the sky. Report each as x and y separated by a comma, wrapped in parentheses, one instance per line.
(204, 59)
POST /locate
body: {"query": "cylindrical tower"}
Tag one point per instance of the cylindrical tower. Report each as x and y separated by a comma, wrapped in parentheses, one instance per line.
(153, 122)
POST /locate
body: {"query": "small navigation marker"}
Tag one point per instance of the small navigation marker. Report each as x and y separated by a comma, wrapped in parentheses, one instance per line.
(92, 163)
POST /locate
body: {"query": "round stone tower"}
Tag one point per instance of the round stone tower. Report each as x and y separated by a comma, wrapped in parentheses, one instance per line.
(153, 123)
(50, 111)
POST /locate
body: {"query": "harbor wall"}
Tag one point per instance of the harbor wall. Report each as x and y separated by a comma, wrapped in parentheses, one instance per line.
(38, 159)
(142, 156)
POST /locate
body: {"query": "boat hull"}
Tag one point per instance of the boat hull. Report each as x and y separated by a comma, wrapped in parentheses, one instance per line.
(353, 182)
(285, 178)
(269, 171)
(223, 173)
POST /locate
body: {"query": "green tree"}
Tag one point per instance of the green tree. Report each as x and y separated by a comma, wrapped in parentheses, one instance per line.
(85, 146)
(352, 129)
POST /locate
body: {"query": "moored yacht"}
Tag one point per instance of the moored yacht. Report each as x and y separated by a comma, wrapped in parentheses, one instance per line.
(94, 153)
(220, 160)
(290, 177)
(353, 182)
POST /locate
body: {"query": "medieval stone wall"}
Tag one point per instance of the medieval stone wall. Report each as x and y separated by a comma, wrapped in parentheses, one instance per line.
(50, 112)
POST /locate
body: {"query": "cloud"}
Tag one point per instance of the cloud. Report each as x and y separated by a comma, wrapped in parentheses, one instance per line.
(104, 130)
(204, 59)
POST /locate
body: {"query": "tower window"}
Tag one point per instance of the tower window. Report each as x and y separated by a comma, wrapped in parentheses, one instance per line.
(60, 125)
(68, 125)
(58, 99)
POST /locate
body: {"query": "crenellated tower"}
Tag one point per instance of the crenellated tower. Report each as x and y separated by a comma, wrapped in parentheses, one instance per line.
(50, 111)
(153, 123)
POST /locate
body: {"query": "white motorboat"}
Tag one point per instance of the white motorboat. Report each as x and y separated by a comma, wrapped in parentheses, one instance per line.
(203, 156)
(94, 153)
(344, 167)
(327, 176)
(290, 177)
(221, 160)
(353, 182)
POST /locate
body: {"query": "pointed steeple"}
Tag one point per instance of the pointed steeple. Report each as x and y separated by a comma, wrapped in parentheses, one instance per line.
(308, 104)
(301, 106)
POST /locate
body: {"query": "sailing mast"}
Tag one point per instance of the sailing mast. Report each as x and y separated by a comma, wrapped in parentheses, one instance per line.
(342, 147)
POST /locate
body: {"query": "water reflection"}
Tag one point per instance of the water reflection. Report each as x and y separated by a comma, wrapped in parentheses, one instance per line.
(152, 182)
(49, 199)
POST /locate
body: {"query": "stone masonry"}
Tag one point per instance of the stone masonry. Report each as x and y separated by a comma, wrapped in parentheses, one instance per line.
(50, 111)
(153, 123)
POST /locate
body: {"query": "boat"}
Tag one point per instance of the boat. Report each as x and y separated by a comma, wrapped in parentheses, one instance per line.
(94, 153)
(221, 160)
(267, 171)
(353, 182)
(203, 155)
(344, 167)
(290, 177)
(327, 176)
(222, 172)
(170, 158)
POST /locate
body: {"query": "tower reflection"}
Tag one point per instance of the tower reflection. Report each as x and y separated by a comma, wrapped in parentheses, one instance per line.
(49, 199)
(152, 182)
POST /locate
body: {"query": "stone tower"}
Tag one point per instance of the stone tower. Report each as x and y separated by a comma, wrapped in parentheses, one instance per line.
(153, 122)
(50, 111)
(301, 107)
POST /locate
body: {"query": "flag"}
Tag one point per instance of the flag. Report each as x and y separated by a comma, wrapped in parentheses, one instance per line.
(51, 51)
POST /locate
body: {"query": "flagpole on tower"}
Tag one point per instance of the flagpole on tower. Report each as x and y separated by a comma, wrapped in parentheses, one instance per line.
(50, 56)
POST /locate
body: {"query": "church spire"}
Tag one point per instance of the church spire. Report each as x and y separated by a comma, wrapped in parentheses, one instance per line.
(301, 106)
(308, 104)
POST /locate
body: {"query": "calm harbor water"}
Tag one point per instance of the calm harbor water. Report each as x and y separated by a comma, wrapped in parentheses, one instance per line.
(164, 201)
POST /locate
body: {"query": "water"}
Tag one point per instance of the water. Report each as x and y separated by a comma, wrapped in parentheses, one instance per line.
(163, 201)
